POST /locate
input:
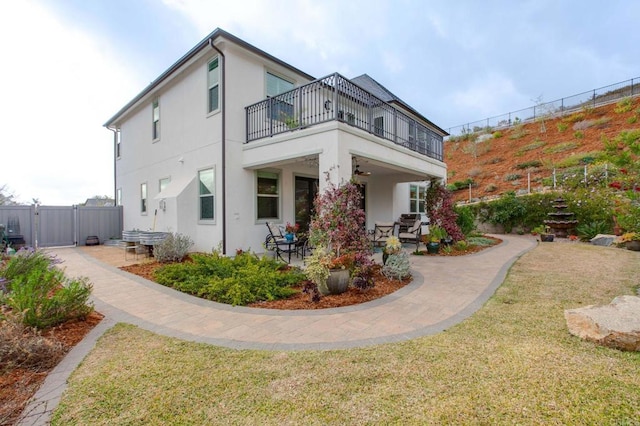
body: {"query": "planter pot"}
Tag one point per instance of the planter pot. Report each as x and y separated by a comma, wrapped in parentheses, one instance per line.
(633, 245)
(289, 237)
(433, 248)
(547, 238)
(337, 283)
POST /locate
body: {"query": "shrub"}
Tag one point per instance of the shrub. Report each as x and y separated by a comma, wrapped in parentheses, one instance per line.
(562, 127)
(465, 220)
(173, 248)
(528, 164)
(530, 147)
(497, 134)
(481, 241)
(24, 347)
(578, 134)
(440, 210)
(42, 293)
(587, 231)
(490, 188)
(238, 281)
(507, 211)
(512, 177)
(397, 266)
(561, 147)
(624, 105)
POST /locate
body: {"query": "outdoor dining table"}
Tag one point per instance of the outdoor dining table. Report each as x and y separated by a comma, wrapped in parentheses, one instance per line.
(291, 248)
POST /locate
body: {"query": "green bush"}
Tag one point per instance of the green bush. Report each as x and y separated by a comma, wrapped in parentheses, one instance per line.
(587, 231)
(465, 220)
(507, 211)
(511, 177)
(238, 281)
(529, 164)
(41, 292)
(624, 105)
(562, 127)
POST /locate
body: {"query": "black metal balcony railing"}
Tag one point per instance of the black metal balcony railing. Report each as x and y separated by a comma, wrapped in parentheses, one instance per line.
(336, 98)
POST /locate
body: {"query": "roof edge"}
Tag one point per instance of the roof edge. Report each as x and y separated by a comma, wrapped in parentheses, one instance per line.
(215, 34)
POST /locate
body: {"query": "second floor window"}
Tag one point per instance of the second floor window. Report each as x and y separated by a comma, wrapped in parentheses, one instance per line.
(155, 129)
(213, 83)
(118, 143)
(282, 109)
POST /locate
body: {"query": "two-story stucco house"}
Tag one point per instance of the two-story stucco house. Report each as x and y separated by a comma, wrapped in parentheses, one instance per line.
(230, 137)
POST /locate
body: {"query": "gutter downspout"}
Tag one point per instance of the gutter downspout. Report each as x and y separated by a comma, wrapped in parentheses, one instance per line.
(224, 151)
(115, 158)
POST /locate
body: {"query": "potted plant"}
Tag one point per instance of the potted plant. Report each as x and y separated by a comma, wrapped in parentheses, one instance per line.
(436, 235)
(631, 240)
(290, 231)
(392, 246)
(547, 236)
(337, 228)
(330, 273)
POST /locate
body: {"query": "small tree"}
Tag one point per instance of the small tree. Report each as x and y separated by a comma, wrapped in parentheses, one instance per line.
(440, 209)
(339, 222)
(6, 197)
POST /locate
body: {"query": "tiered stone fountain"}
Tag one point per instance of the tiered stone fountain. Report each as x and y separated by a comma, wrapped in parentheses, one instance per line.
(561, 222)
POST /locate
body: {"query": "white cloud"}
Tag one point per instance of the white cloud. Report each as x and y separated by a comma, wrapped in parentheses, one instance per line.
(486, 96)
(58, 85)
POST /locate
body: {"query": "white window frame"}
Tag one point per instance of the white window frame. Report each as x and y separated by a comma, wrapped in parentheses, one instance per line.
(144, 198)
(421, 192)
(202, 196)
(269, 174)
(155, 120)
(163, 183)
(213, 84)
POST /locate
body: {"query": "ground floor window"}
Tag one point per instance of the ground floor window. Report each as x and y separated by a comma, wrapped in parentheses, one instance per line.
(268, 195)
(417, 195)
(119, 197)
(206, 191)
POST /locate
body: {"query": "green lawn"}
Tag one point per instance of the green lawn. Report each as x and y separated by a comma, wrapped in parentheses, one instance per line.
(511, 362)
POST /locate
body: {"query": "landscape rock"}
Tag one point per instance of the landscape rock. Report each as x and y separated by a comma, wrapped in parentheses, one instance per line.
(603, 240)
(616, 325)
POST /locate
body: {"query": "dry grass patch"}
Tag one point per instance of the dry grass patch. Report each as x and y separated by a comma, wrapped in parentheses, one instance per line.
(511, 362)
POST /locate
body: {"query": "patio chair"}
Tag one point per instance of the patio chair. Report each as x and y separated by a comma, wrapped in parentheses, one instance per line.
(413, 234)
(276, 241)
(382, 231)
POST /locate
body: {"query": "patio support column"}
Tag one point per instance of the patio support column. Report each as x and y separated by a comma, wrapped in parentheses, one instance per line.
(335, 161)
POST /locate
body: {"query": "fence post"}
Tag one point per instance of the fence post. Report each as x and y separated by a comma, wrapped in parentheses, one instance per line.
(529, 183)
(585, 176)
(554, 178)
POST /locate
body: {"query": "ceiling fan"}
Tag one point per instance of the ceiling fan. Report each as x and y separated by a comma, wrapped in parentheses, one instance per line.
(358, 172)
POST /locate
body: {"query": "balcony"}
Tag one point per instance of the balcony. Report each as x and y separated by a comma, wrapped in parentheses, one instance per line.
(335, 98)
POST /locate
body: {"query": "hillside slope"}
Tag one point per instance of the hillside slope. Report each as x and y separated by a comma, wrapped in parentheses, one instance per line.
(499, 160)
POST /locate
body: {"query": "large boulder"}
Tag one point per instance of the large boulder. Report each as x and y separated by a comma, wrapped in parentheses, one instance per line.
(616, 325)
(603, 240)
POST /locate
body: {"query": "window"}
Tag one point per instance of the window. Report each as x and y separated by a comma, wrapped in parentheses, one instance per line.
(119, 197)
(277, 85)
(417, 194)
(156, 120)
(268, 193)
(205, 193)
(162, 183)
(279, 109)
(378, 126)
(118, 140)
(213, 84)
(143, 198)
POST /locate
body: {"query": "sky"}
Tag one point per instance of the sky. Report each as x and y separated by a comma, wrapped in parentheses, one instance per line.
(70, 65)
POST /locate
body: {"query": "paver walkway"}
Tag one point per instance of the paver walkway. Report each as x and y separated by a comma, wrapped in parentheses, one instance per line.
(445, 291)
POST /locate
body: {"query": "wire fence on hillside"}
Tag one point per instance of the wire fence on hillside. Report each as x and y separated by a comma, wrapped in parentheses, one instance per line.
(560, 107)
(584, 175)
